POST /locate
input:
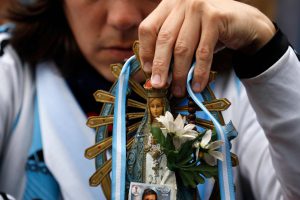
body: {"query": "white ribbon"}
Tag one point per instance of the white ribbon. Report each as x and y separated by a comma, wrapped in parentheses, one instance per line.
(224, 167)
(119, 134)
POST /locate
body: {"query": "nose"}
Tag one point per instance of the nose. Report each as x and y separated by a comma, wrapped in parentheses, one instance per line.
(124, 14)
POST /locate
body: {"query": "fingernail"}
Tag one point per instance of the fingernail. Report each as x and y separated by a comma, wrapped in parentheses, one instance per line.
(177, 90)
(155, 79)
(147, 67)
(196, 87)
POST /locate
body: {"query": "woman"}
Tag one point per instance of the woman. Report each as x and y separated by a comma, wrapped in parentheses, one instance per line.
(60, 50)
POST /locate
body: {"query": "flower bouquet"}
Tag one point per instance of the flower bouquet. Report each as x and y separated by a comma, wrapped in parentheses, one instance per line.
(190, 154)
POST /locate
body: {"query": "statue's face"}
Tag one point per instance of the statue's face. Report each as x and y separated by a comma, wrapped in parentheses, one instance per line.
(156, 107)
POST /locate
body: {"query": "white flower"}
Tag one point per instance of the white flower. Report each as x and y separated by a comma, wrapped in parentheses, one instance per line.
(177, 128)
(212, 154)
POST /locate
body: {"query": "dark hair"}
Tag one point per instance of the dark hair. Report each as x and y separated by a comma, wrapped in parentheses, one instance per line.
(149, 191)
(42, 33)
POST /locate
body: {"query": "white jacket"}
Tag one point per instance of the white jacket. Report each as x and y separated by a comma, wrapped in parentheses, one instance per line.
(268, 141)
(64, 133)
(267, 145)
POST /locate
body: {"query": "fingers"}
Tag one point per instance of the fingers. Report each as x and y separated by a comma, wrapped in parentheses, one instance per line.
(184, 29)
(205, 51)
(164, 46)
(148, 31)
(184, 49)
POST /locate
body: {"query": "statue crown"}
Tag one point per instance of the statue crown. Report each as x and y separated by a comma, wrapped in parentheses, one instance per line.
(153, 92)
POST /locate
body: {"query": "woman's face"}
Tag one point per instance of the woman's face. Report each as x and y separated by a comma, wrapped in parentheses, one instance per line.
(106, 29)
(156, 107)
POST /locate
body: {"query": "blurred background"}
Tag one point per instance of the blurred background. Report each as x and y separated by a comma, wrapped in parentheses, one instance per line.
(284, 12)
(288, 18)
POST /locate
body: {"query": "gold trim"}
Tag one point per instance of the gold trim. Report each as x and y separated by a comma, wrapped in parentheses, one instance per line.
(214, 105)
(204, 123)
(103, 171)
(98, 148)
(220, 116)
(136, 49)
(106, 184)
(105, 144)
(234, 159)
(184, 108)
(116, 69)
(100, 173)
(97, 121)
(212, 76)
(135, 115)
(136, 104)
(133, 127)
(217, 104)
(105, 97)
(130, 143)
(137, 88)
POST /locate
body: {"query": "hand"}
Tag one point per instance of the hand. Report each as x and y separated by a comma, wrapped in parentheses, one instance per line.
(184, 29)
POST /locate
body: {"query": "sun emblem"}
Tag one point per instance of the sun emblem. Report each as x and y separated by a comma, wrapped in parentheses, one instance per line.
(137, 105)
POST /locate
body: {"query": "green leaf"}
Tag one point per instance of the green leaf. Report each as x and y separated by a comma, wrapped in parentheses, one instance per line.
(199, 179)
(158, 135)
(208, 171)
(189, 165)
(187, 179)
(171, 160)
(190, 178)
(185, 150)
(183, 162)
(188, 159)
(207, 174)
(184, 178)
(169, 143)
(214, 135)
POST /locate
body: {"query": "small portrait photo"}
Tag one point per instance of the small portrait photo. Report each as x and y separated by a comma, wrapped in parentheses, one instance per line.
(144, 191)
(149, 194)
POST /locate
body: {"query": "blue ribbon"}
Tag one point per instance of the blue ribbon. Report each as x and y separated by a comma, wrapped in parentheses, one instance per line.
(119, 139)
(224, 167)
(119, 134)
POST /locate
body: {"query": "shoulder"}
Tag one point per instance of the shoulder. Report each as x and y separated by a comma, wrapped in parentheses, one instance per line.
(10, 63)
(14, 75)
